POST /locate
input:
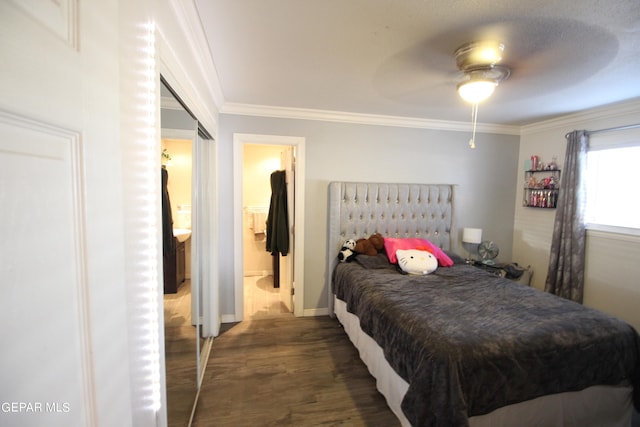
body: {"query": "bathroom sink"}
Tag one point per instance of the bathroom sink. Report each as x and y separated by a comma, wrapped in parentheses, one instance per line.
(182, 234)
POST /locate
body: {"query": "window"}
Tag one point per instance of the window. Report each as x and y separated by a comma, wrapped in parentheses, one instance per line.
(613, 188)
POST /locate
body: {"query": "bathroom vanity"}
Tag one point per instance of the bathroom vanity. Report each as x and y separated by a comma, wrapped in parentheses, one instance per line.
(175, 265)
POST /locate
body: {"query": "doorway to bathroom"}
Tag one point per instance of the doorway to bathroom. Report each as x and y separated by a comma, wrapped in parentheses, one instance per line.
(267, 277)
(268, 284)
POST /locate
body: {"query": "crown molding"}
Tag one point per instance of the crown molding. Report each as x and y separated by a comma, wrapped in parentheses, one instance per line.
(631, 107)
(366, 119)
(170, 103)
(168, 133)
(188, 17)
(206, 102)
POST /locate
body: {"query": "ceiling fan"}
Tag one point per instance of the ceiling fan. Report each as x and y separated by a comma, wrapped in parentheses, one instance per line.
(482, 72)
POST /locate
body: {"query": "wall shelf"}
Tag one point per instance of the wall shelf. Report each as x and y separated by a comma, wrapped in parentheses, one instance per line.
(541, 188)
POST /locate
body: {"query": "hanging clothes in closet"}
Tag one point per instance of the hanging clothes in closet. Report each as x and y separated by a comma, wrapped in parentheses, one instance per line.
(168, 241)
(278, 223)
(168, 244)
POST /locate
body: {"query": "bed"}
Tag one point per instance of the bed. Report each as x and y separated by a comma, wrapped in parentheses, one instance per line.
(461, 346)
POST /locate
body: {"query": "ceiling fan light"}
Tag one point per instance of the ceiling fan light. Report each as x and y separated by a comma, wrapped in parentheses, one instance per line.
(481, 54)
(490, 54)
(476, 91)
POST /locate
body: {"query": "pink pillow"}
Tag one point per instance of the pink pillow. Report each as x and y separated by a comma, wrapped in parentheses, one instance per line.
(391, 245)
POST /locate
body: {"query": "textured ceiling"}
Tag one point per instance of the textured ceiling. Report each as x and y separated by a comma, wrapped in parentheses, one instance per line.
(395, 57)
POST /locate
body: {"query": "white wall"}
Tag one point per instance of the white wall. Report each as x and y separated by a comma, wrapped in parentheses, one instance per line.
(340, 151)
(611, 280)
(151, 41)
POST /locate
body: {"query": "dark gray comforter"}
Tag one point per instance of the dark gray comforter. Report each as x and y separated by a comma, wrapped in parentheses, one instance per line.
(468, 342)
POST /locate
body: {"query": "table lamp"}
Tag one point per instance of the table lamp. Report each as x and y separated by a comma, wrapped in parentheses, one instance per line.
(471, 236)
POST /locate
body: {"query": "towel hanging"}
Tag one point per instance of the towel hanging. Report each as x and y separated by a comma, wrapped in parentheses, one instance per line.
(259, 222)
(257, 218)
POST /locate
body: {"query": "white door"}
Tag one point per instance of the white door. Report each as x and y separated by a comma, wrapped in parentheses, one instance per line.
(287, 287)
(204, 287)
(64, 358)
(208, 257)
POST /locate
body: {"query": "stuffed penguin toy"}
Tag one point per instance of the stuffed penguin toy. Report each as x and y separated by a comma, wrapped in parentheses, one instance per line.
(346, 251)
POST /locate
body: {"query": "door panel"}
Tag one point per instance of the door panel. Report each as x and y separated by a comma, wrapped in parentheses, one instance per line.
(45, 359)
(64, 358)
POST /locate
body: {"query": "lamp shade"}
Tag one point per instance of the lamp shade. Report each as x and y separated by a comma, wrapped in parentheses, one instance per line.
(472, 235)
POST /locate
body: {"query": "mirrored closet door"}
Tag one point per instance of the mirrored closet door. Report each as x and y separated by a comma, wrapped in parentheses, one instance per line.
(184, 238)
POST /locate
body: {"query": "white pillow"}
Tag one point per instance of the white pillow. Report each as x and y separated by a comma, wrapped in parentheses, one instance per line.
(414, 261)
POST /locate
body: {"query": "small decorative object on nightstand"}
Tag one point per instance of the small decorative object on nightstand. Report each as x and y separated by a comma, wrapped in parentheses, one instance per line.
(510, 271)
(488, 251)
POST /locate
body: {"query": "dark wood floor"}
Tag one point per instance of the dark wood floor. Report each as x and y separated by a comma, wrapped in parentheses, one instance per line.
(288, 371)
(277, 371)
(180, 356)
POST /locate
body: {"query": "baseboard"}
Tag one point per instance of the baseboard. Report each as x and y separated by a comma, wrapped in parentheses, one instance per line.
(258, 273)
(310, 312)
(228, 318)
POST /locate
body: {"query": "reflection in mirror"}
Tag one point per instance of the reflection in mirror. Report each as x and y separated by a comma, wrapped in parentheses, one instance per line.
(202, 266)
(181, 293)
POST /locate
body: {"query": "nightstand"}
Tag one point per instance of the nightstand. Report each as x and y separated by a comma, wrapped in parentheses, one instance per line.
(510, 271)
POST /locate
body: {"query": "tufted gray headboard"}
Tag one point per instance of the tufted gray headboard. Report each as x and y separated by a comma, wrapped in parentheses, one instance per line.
(358, 209)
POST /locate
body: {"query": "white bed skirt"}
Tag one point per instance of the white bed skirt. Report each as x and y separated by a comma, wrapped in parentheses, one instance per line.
(601, 406)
